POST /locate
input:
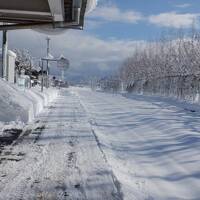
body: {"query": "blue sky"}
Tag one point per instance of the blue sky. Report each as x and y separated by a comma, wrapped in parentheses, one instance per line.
(143, 29)
(112, 32)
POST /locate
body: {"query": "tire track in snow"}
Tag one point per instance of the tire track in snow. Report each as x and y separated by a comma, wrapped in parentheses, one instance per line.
(119, 194)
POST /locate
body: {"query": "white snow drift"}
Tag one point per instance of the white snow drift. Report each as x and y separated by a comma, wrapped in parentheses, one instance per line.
(18, 105)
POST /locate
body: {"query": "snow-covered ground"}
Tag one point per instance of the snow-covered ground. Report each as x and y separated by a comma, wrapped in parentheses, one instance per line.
(58, 157)
(99, 146)
(18, 106)
(152, 144)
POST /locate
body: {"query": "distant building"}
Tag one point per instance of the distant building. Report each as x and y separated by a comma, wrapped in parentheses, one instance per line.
(10, 70)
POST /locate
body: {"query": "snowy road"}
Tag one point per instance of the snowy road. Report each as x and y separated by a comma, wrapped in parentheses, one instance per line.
(93, 145)
(152, 144)
(58, 158)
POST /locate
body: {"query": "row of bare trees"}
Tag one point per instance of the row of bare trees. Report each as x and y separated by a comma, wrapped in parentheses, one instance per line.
(170, 67)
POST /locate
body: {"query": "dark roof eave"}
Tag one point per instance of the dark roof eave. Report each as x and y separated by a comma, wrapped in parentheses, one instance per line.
(17, 23)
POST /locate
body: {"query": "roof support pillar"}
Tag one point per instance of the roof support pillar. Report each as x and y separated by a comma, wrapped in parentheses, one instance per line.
(4, 54)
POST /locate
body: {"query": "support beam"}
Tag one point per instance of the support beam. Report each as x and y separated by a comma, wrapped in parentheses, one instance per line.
(57, 25)
(23, 12)
(4, 54)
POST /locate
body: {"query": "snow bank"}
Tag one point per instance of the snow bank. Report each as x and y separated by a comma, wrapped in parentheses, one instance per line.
(22, 106)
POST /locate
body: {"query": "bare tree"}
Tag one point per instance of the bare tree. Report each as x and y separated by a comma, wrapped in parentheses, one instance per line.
(169, 66)
(23, 60)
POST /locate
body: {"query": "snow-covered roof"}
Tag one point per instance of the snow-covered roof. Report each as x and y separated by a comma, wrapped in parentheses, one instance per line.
(10, 53)
(48, 57)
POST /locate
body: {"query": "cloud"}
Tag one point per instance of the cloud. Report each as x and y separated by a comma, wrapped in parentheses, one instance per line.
(175, 20)
(112, 13)
(79, 47)
(83, 47)
(185, 5)
(93, 24)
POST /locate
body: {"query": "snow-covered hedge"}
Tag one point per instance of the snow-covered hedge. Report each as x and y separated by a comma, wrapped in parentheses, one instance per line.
(22, 105)
(168, 67)
(180, 87)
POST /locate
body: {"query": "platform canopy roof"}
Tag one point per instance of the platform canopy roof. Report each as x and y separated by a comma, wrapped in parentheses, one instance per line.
(63, 14)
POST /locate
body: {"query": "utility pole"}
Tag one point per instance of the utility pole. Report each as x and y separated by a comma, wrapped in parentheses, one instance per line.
(62, 75)
(48, 52)
(4, 55)
(41, 64)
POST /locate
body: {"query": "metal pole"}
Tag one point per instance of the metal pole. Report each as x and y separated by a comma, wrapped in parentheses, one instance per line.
(30, 73)
(48, 52)
(62, 75)
(4, 55)
(1, 66)
(48, 42)
(42, 81)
